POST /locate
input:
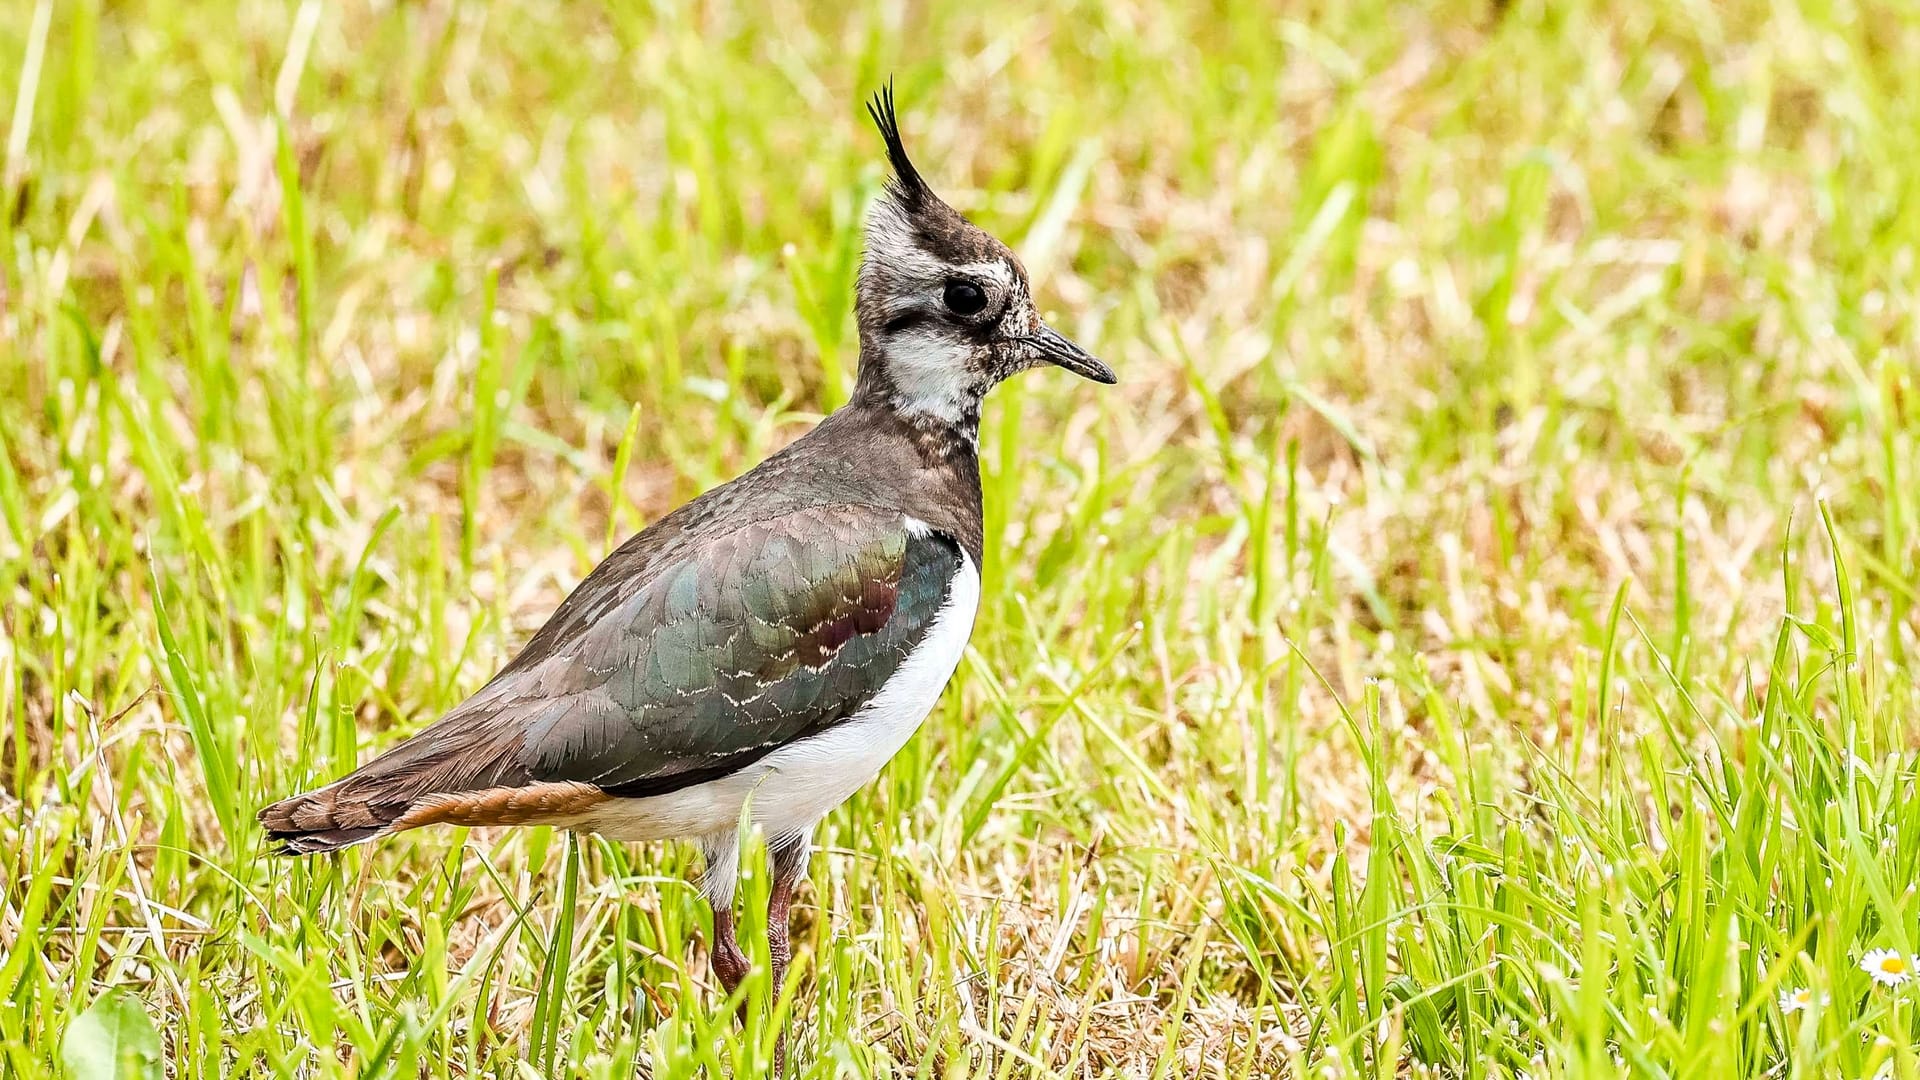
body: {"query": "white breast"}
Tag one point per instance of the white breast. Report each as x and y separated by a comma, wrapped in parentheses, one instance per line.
(791, 789)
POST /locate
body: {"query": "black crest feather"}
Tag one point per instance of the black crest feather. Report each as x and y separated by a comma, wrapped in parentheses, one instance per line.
(907, 186)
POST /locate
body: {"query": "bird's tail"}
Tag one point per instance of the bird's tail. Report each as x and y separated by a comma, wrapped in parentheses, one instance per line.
(326, 819)
(452, 760)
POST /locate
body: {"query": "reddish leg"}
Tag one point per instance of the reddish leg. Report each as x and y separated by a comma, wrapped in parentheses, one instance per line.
(789, 865)
(729, 963)
(723, 855)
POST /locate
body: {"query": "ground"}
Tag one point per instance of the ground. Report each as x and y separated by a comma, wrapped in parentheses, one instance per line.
(1475, 638)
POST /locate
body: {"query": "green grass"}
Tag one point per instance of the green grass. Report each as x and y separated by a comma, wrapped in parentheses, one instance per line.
(1475, 639)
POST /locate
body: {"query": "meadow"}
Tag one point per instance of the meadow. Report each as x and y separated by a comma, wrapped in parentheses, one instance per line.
(1475, 639)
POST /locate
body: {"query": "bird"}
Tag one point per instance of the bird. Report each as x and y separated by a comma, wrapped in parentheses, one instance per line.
(762, 651)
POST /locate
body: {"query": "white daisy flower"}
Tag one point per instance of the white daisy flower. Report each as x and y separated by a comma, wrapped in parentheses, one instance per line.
(1887, 967)
(1800, 999)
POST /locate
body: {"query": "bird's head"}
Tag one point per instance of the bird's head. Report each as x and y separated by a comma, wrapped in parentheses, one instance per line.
(943, 306)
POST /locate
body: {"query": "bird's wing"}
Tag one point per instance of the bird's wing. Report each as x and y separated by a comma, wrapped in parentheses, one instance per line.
(773, 631)
(671, 665)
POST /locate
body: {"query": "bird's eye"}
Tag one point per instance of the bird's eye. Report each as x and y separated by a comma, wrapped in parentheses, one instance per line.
(964, 298)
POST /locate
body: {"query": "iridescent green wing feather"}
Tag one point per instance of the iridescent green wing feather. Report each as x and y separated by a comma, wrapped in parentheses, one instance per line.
(774, 631)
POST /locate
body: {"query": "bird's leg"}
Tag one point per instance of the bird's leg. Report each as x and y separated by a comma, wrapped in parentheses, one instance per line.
(729, 963)
(788, 861)
(722, 852)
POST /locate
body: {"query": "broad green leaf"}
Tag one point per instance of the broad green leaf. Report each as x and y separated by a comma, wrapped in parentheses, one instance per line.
(112, 1040)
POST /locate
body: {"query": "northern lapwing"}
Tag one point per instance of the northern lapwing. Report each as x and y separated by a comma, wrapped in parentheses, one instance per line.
(766, 648)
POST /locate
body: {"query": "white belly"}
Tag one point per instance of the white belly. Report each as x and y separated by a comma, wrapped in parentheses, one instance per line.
(791, 789)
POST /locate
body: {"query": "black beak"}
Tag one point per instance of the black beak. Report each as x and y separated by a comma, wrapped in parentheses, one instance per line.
(1056, 348)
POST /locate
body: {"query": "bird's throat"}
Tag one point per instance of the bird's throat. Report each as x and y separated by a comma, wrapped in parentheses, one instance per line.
(926, 386)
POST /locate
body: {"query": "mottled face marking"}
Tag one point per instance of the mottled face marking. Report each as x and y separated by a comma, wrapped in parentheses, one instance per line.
(938, 320)
(944, 308)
